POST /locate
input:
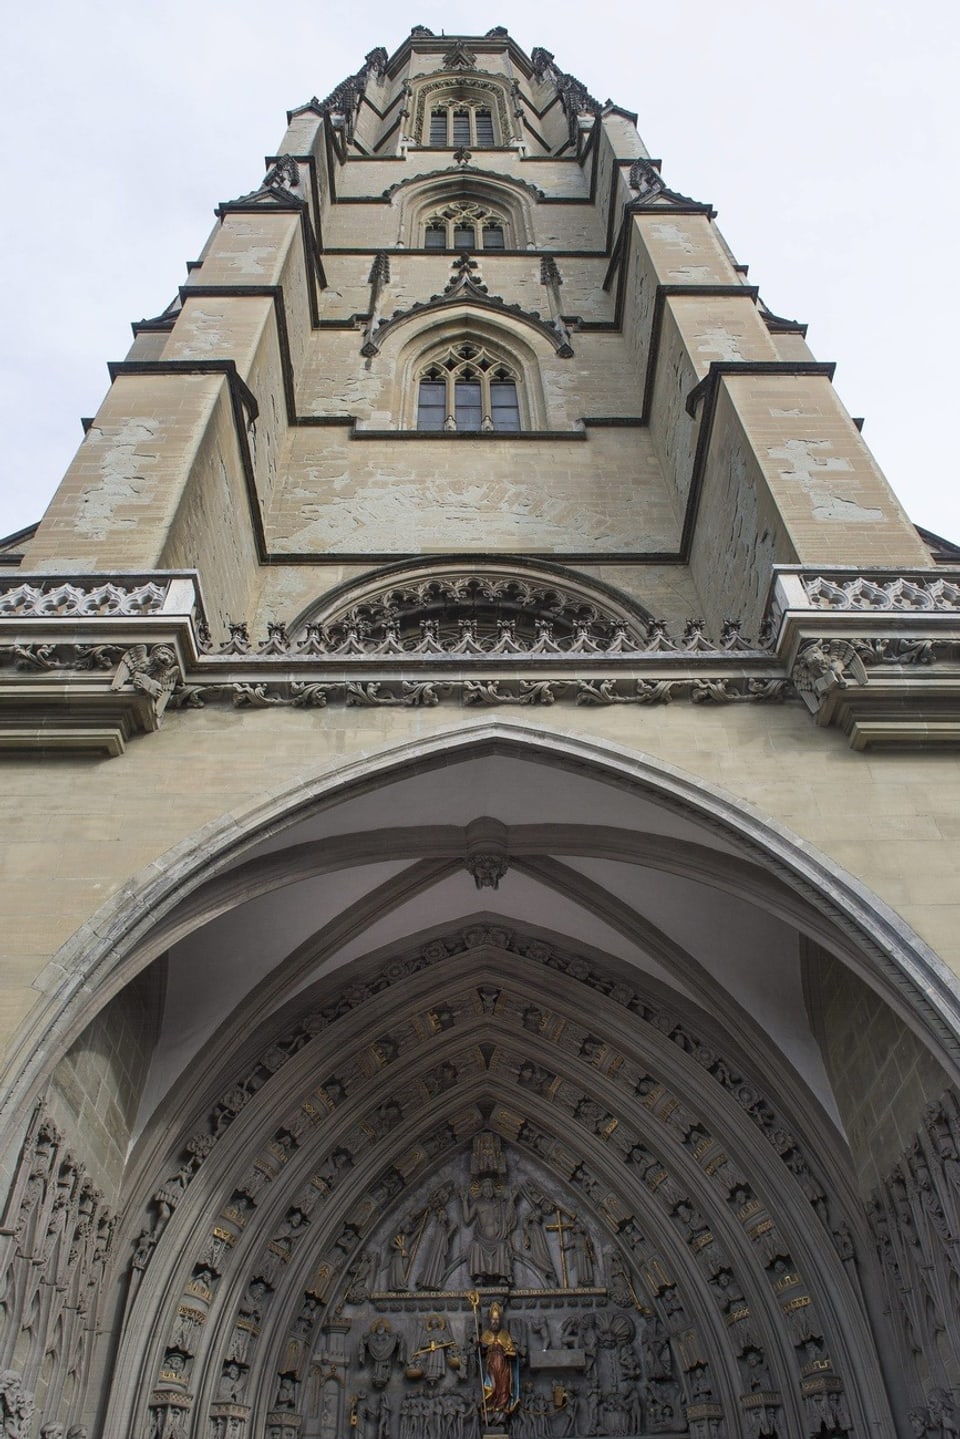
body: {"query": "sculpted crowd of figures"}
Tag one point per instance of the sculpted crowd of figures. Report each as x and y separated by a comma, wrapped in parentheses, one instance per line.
(581, 1344)
(915, 1216)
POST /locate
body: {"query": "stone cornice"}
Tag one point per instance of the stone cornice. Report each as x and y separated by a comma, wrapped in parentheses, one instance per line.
(87, 662)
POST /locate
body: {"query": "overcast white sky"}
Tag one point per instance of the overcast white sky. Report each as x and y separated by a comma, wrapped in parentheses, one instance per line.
(824, 133)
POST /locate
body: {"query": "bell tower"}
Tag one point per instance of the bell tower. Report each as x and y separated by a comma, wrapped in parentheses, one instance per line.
(477, 732)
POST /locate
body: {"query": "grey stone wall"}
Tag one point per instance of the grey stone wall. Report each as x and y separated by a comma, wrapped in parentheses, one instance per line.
(883, 1077)
(96, 1087)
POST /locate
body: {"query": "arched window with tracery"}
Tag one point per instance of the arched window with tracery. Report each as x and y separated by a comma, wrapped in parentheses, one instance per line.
(466, 225)
(468, 388)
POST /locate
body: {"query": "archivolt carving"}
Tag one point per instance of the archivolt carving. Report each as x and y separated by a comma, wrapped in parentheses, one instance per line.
(407, 1123)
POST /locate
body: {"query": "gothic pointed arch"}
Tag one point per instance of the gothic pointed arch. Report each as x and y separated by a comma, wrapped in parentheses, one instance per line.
(438, 101)
(483, 194)
(464, 297)
(364, 1032)
(351, 1140)
(517, 602)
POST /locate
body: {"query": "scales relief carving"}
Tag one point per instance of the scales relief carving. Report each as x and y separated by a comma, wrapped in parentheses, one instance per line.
(487, 1304)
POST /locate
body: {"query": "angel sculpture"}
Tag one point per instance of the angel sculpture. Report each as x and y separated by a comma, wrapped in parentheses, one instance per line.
(825, 666)
(153, 672)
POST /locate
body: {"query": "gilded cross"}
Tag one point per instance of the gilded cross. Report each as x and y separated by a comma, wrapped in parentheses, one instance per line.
(560, 1230)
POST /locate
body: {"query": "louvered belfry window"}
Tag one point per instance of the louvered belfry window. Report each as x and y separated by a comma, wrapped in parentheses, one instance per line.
(461, 125)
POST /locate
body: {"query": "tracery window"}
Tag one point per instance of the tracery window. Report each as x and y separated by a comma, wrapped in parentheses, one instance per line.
(462, 123)
(468, 389)
(465, 225)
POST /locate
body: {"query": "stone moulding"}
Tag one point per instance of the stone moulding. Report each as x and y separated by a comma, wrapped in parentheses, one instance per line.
(87, 663)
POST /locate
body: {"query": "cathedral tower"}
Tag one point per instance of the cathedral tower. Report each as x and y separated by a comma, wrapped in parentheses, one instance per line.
(480, 827)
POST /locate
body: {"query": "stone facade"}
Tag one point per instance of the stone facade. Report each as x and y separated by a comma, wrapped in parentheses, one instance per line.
(480, 827)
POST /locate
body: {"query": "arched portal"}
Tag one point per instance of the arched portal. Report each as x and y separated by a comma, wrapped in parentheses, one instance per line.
(500, 1014)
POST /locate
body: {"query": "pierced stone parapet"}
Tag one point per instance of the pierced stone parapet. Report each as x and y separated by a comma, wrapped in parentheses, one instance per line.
(65, 600)
(67, 597)
(913, 593)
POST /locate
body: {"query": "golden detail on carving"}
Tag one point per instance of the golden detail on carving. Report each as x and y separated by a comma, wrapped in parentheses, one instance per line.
(410, 1161)
(655, 1181)
(715, 1163)
(612, 1209)
(752, 1206)
(825, 1384)
(704, 1411)
(701, 1241)
(368, 1131)
(735, 1315)
(616, 1064)
(197, 1315)
(787, 1282)
(175, 1400)
(249, 1325)
(199, 1291)
(597, 1059)
(280, 1252)
(557, 1030)
(325, 1102)
(170, 1376)
(759, 1400)
(801, 1302)
(763, 1227)
(689, 1349)
(667, 1110)
(510, 1122)
(321, 1279)
(701, 1148)
(656, 1277)
(651, 1100)
(224, 1234)
(236, 1216)
(816, 1367)
(609, 1128)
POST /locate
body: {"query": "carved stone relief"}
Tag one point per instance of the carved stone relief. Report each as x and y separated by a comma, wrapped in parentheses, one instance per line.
(916, 1223)
(486, 1303)
(53, 1259)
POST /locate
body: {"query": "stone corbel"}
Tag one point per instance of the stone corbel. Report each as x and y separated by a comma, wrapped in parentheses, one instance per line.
(823, 667)
(153, 672)
(487, 856)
